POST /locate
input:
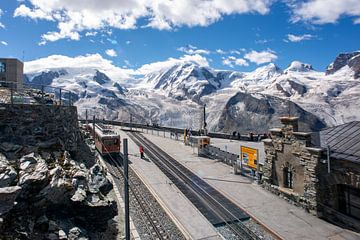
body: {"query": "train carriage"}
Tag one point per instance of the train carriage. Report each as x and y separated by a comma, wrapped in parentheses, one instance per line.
(106, 140)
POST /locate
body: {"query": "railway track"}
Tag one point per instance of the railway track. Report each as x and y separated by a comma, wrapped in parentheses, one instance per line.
(151, 220)
(213, 205)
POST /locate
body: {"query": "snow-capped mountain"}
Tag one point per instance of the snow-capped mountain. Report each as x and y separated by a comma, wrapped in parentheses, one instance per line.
(242, 101)
(297, 66)
(187, 81)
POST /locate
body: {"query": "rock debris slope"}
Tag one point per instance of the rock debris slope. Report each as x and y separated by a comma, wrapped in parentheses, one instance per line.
(50, 184)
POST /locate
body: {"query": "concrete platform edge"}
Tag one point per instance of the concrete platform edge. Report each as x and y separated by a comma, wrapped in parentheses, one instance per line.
(134, 233)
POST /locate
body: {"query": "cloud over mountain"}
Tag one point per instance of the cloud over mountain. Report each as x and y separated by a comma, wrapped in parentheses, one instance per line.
(94, 61)
(75, 16)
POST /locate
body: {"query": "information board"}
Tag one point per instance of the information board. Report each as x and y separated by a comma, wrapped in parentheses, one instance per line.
(249, 156)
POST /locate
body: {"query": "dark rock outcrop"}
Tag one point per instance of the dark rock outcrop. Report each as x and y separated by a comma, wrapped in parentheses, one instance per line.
(45, 78)
(258, 113)
(298, 87)
(350, 59)
(101, 78)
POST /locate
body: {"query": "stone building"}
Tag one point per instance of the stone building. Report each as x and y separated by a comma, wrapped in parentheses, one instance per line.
(300, 167)
(12, 71)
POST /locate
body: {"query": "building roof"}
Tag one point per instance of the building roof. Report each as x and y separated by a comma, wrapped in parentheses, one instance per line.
(343, 140)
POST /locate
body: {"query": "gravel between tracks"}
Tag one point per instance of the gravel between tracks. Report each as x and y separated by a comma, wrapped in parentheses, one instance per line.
(142, 224)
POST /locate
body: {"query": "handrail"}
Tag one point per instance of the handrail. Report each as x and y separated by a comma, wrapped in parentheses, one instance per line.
(33, 93)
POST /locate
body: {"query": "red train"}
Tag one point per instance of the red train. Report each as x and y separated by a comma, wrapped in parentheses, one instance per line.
(106, 140)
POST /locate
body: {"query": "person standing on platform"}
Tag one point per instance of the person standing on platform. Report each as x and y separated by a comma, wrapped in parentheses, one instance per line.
(141, 152)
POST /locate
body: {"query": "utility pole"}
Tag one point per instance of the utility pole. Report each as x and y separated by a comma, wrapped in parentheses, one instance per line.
(86, 116)
(94, 128)
(12, 93)
(289, 108)
(126, 190)
(130, 121)
(328, 159)
(60, 96)
(205, 124)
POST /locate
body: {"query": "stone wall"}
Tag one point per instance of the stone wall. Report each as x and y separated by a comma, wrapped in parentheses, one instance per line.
(314, 188)
(290, 148)
(342, 172)
(31, 125)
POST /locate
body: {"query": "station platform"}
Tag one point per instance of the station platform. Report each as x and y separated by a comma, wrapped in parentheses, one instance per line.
(189, 220)
(281, 217)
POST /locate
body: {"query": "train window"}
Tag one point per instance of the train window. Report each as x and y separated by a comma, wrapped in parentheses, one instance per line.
(116, 141)
(108, 142)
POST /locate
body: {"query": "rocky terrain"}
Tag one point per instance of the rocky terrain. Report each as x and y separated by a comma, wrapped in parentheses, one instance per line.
(174, 95)
(50, 184)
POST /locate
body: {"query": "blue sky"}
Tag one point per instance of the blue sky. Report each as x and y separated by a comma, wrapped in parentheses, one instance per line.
(229, 34)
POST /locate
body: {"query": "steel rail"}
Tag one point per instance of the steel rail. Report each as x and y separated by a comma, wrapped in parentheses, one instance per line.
(142, 202)
(161, 159)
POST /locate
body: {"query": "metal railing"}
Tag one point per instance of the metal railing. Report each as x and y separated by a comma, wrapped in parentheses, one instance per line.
(35, 94)
(131, 125)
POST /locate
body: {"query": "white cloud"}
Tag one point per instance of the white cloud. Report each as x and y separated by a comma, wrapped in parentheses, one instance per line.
(128, 42)
(75, 16)
(238, 52)
(325, 11)
(298, 38)
(1, 24)
(220, 51)
(112, 41)
(91, 34)
(157, 66)
(93, 61)
(231, 61)
(190, 49)
(111, 52)
(262, 41)
(4, 43)
(261, 57)
(36, 13)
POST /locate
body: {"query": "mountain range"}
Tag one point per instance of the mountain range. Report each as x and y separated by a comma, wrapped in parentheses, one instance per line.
(235, 101)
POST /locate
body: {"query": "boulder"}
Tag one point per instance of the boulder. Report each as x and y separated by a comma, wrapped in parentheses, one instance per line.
(7, 172)
(29, 158)
(79, 195)
(76, 234)
(36, 174)
(97, 182)
(7, 198)
(62, 234)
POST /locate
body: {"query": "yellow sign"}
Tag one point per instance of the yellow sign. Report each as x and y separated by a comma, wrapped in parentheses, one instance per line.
(249, 156)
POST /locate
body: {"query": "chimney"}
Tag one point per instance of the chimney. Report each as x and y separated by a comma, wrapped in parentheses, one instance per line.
(290, 123)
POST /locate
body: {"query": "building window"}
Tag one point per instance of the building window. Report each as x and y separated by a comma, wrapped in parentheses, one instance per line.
(349, 200)
(288, 177)
(2, 67)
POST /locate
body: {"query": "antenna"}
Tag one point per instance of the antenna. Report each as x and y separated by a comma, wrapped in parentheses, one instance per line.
(23, 56)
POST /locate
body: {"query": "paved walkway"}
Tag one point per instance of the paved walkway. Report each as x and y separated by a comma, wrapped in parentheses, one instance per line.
(189, 219)
(286, 220)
